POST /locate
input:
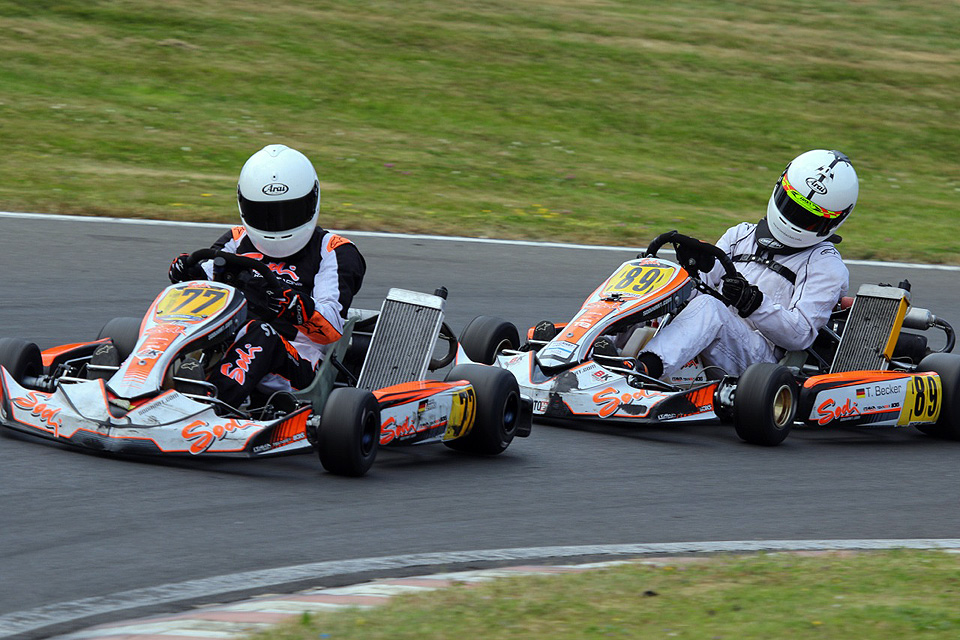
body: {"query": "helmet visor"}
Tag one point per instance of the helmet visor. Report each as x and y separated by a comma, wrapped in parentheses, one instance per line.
(280, 215)
(804, 213)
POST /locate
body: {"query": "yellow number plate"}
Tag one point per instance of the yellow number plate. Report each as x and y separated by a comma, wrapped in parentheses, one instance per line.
(922, 404)
(192, 303)
(637, 280)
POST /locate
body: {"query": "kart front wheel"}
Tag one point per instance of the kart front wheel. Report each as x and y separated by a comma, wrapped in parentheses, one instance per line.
(765, 404)
(498, 409)
(947, 366)
(486, 336)
(125, 332)
(20, 358)
(349, 432)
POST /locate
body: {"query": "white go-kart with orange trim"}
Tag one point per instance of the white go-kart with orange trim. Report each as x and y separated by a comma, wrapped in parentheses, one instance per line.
(152, 398)
(864, 368)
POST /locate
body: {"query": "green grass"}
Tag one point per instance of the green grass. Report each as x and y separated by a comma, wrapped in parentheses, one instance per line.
(889, 595)
(574, 120)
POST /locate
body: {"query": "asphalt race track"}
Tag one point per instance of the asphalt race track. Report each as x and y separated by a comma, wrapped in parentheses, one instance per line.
(76, 525)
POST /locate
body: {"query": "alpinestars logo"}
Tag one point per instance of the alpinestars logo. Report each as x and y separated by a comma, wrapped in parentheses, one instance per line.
(238, 371)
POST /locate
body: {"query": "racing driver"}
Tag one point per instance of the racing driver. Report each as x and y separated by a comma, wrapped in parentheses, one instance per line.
(790, 276)
(279, 197)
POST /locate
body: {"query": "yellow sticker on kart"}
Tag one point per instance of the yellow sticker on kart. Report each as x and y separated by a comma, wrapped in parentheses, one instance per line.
(192, 303)
(923, 400)
(639, 280)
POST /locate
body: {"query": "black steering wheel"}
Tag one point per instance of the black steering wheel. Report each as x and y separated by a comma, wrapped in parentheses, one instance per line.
(697, 249)
(235, 270)
(229, 268)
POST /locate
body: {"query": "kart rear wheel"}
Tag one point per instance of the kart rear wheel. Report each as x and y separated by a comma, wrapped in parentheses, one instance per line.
(486, 336)
(765, 404)
(498, 409)
(947, 366)
(124, 332)
(349, 432)
(20, 358)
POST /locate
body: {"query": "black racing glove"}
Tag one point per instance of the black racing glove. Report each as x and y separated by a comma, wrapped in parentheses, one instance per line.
(278, 302)
(692, 259)
(180, 272)
(740, 294)
(290, 306)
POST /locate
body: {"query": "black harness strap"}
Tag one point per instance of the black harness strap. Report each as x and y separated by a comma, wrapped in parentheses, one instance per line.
(769, 263)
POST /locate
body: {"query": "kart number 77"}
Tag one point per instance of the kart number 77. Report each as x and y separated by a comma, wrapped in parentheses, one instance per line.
(192, 302)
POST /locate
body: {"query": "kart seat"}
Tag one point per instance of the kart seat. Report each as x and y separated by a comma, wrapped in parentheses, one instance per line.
(637, 341)
(323, 382)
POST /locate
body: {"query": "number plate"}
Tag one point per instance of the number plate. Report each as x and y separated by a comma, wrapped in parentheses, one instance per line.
(192, 303)
(923, 400)
(638, 280)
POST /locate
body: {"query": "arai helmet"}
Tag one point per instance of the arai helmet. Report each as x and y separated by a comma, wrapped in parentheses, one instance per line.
(279, 198)
(814, 195)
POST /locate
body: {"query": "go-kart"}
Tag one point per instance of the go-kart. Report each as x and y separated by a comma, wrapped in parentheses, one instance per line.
(369, 392)
(863, 369)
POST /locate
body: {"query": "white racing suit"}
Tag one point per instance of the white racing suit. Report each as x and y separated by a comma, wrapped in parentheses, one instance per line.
(788, 319)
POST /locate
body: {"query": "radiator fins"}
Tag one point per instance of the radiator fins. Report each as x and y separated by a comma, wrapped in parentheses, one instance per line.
(403, 339)
(872, 327)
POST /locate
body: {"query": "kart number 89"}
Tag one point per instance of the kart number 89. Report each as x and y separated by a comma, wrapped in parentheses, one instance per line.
(639, 280)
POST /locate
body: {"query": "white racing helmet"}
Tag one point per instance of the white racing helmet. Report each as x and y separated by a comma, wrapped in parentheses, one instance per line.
(279, 198)
(814, 195)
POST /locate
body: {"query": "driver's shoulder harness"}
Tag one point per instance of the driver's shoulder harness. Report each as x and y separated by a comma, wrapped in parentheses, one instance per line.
(769, 263)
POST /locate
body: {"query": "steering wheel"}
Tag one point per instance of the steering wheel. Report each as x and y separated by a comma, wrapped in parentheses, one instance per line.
(232, 269)
(229, 268)
(694, 246)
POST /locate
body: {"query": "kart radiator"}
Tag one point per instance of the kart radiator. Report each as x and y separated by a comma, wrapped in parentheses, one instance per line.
(403, 339)
(872, 328)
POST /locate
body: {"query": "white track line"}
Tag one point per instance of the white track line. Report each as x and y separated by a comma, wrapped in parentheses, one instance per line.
(417, 236)
(63, 612)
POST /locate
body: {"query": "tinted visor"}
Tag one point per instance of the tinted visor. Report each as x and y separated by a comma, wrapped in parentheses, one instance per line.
(802, 212)
(280, 215)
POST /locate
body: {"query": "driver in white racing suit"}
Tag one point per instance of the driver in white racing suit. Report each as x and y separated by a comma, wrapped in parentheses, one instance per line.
(790, 276)
(319, 272)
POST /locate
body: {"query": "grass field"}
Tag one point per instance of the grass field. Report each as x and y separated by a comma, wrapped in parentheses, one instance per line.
(880, 596)
(577, 120)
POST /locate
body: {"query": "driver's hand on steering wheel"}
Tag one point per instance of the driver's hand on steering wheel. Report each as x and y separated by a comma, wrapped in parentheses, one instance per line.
(281, 303)
(180, 272)
(693, 259)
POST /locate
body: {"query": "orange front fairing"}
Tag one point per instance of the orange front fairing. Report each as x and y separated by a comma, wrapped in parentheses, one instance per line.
(84, 414)
(638, 290)
(185, 315)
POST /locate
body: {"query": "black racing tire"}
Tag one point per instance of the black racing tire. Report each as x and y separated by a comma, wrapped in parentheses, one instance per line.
(125, 332)
(20, 358)
(349, 433)
(486, 336)
(765, 404)
(498, 409)
(947, 366)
